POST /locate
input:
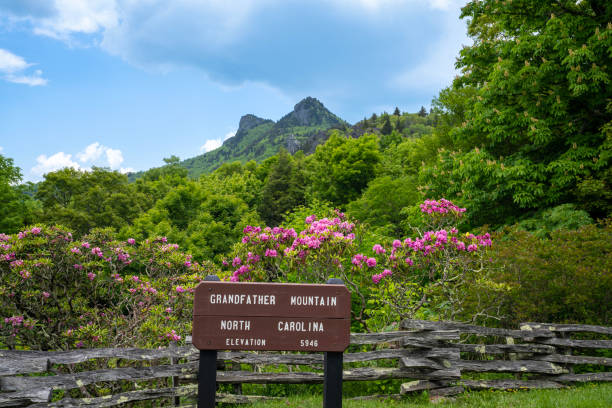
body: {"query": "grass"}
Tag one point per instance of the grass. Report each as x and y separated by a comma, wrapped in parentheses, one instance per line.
(588, 396)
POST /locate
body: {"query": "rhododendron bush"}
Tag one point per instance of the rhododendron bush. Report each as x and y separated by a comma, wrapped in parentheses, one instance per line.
(394, 279)
(58, 293)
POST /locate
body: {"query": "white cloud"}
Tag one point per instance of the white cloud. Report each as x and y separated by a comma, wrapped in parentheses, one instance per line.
(114, 157)
(91, 152)
(57, 161)
(1, 148)
(78, 16)
(213, 144)
(10, 63)
(95, 151)
(13, 67)
(125, 170)
(210, 145)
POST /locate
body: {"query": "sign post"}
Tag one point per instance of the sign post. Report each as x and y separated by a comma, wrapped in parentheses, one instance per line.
(271, 316)
(332, 369)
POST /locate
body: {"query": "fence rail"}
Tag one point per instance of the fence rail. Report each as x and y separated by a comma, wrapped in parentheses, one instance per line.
(435, 356)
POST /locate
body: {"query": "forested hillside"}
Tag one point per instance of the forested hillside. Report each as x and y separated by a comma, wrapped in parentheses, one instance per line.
(520, 143)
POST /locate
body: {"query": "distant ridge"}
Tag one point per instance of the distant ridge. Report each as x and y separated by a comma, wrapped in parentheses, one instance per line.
(256, 138)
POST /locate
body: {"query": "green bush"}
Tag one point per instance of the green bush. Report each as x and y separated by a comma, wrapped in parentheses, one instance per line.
(58, 293)
(565, 278)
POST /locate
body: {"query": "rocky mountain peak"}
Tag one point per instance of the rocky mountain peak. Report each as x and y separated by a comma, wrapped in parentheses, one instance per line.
(249, 121)
(309, 112)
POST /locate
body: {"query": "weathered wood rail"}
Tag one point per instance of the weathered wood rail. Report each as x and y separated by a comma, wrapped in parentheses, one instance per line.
(436, 356)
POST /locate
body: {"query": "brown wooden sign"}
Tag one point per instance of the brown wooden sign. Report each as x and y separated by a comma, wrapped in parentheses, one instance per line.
(271, 316)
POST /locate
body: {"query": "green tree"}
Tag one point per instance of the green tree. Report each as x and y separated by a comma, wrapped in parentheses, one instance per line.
(83, 200)
(284, 190)
(386, 126)
(399, 125)
(340, 169)
(538, 106)
(397, 112)
(422, 112)
(17, 208)
(382, 202)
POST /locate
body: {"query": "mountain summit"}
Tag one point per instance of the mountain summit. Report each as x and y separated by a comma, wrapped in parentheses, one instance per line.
(310, 112)
(257, 139)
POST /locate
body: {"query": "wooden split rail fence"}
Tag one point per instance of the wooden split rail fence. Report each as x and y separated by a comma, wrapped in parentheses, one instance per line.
(440, 357)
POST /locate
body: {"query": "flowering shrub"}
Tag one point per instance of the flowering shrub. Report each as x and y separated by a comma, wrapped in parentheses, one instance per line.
(313, 255)
(58, 293)
(397, 279)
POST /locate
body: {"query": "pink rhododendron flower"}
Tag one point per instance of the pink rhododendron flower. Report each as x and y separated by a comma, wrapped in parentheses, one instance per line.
(310, 219)
(271, 253)
(35, 230)
(91, 276)
(131, 241)
(180, 289)
(237, 261)
(173, 336)
(357, 259)
(77, 266)
(85, 245)
(371, 262)
(378, 249)
(46, 294)
(472, 248)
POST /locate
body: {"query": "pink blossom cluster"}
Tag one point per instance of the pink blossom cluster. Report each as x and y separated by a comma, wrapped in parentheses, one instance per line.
(377, 277)
(117, 278)
(169, 247)
(172, 335)
(359, 259)
(441, 206)
(145, 287)
(16, 263)
(244, 269)
(416, 252)
(8, 257)
(14, 321)
(321, 231)
(4, 237)
(276, 234)
(271, 246)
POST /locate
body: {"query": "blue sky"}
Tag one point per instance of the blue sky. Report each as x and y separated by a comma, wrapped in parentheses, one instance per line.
(125, 83)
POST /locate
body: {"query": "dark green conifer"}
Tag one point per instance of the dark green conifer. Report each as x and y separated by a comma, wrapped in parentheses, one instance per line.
(283, 191)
